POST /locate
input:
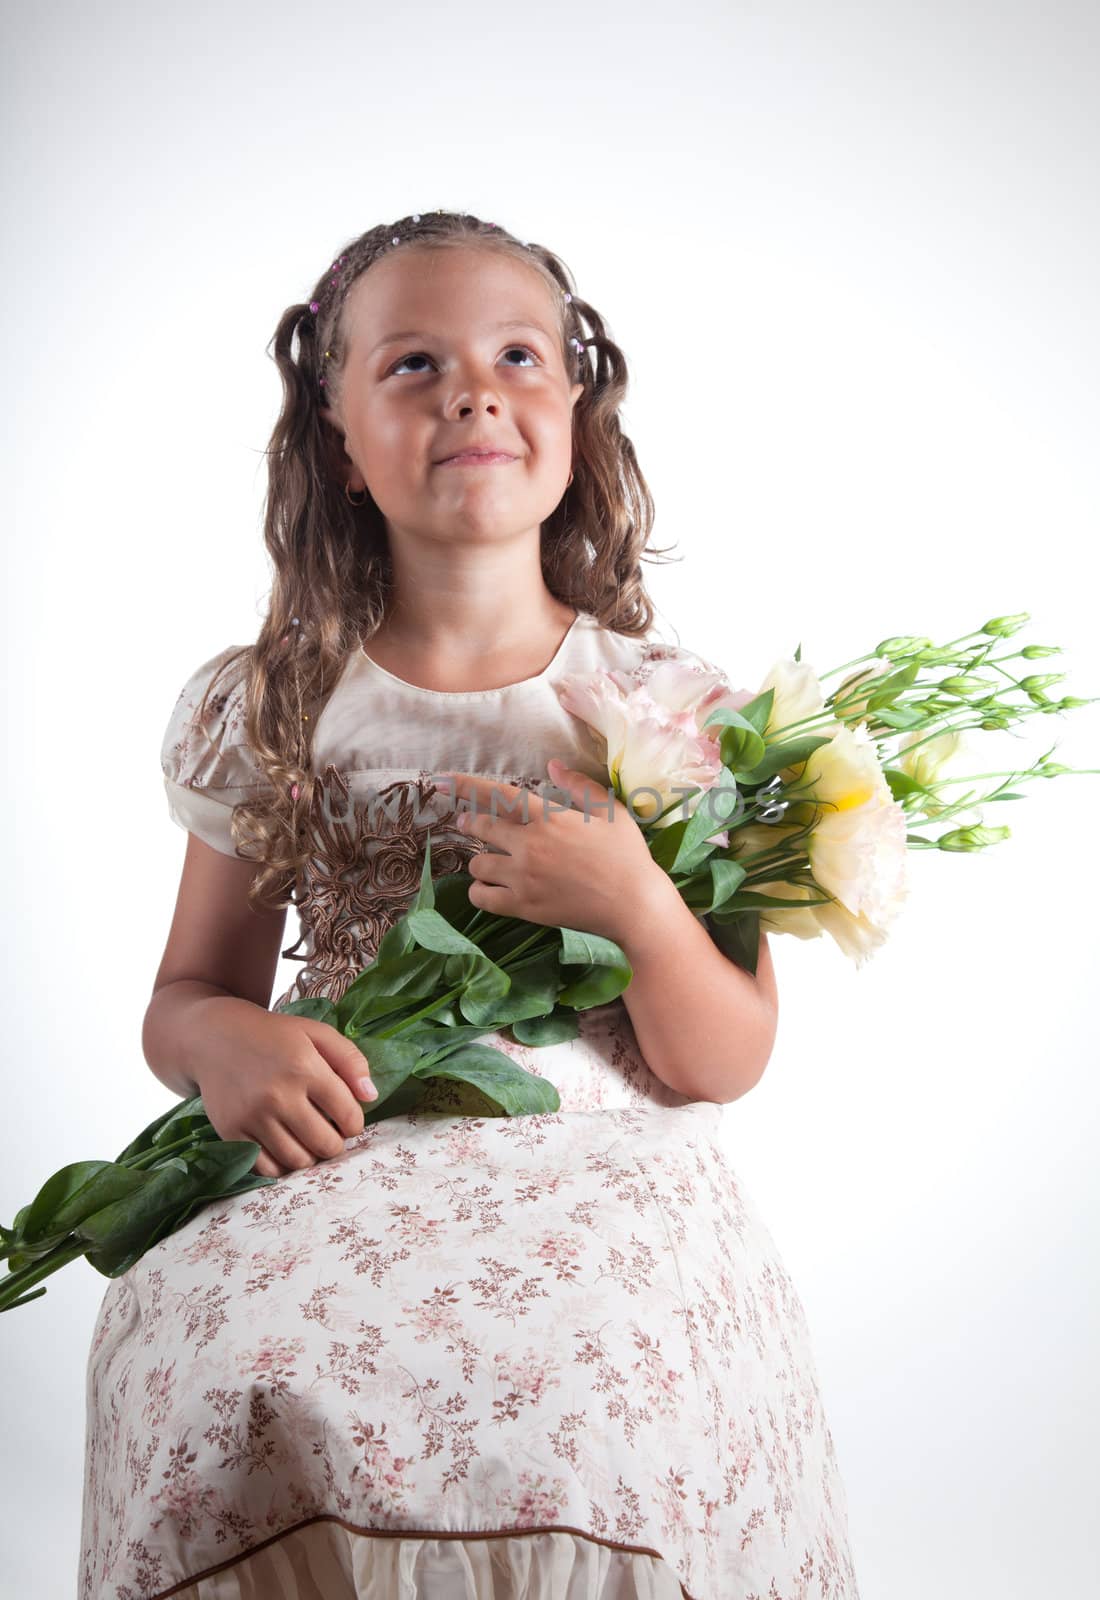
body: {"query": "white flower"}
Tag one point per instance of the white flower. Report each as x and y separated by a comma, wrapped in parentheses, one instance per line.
(797, 696)
(926, 762)
(857, 849)
(856, 934)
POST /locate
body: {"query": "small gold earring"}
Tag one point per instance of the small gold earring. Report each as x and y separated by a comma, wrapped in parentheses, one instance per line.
(362, 493)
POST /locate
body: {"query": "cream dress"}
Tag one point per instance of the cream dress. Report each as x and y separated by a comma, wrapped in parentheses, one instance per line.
(472, 1358)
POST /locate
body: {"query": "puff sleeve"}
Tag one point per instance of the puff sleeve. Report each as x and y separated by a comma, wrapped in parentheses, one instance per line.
(208, 768)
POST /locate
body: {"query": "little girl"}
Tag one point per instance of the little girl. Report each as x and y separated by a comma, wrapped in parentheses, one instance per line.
(449, 1354)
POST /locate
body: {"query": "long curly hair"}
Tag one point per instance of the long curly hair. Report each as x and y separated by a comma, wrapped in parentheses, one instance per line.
(333, 579)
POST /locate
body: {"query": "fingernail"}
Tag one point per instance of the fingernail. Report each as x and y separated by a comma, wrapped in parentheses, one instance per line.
(367, 1091)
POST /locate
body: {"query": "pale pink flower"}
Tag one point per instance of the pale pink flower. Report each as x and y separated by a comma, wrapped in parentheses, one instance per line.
(654, 747)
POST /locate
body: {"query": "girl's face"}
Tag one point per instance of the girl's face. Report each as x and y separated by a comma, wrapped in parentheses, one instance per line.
(431, 369)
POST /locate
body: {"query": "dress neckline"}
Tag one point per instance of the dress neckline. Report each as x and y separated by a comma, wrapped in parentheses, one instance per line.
(478, 694)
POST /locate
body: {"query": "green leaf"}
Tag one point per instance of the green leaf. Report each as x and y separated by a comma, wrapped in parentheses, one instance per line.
(112, 1263)
(900, 717)
(500, 1079)
(756, 713)
(188, 1121)
(147, 1135)
(893, 685)
(452, 899)
(70, 1196)
(746, 899)
(425, 895)
(388, 986)
(124, 1230)
(434, 1039)
(318, 1007)
(716, 810)
(579, 948)
(739, 939)
(396, 941)
(901, 784)
(390, 1061)
(185, 1120)
(558, 1027)
(741, 748)
(484, 997)
(607, 971)
(434, 932)
(710, 889)
(408, 1096)
(778, 757)
(533, 992)
(664, 843)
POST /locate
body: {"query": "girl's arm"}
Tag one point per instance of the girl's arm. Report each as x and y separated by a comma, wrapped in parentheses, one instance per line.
(291, 1085)
(218, 948)
(705, 1026)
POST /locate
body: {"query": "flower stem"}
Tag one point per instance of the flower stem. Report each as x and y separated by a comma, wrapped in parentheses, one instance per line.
(13, 1285)
(452, 994)
(150, 1157)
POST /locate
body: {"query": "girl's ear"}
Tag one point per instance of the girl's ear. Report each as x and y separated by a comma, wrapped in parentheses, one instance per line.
(333, 436)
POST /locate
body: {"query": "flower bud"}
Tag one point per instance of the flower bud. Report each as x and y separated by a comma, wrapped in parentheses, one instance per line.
(974, 838)
(993, 722)
(1001, 627)
(1031, 652)
(850, 700)
(1070, 702)
(901, 644)
(964, 683)
(1051, 769)
(1040, 680)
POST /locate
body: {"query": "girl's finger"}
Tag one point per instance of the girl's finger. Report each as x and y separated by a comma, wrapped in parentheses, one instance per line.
(283, 1146)
(332, 1097)
(315, 1132)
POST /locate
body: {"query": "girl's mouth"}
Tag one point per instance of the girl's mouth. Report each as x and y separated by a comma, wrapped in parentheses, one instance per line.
(473, 460)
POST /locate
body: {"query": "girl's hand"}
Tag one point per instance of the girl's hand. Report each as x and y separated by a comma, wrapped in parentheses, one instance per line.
(277, 1080)
(578, 865)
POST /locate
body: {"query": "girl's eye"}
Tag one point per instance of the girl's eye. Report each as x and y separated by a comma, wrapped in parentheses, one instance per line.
(418, 355)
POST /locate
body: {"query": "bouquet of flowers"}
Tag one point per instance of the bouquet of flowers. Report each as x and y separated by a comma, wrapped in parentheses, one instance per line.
(787, 809)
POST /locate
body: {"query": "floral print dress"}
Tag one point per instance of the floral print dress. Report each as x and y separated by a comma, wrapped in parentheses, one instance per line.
(553, 1356)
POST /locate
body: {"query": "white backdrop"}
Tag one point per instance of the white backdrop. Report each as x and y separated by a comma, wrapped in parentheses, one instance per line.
(851, 253)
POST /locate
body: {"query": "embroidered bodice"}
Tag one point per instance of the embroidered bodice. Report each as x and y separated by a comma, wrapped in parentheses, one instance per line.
(377, 746)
